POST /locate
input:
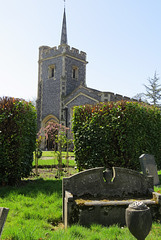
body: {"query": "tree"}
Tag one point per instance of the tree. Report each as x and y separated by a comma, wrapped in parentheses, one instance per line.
(51, 134)
(153, 91)
(56, 136)
(140, 97)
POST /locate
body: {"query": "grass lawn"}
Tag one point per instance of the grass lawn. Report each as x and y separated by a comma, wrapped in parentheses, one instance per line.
(36, 212)
(50, 158)
(51, 153)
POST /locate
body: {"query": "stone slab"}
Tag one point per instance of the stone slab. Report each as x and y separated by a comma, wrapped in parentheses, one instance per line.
(149, 167)
(3, 216)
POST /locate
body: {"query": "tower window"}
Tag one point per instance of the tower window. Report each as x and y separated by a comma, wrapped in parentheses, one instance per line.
(51, 73)
(75, 72)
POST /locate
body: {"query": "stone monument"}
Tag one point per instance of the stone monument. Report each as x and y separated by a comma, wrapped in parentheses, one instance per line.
(138, 219)
(149, 167)
(3, 216)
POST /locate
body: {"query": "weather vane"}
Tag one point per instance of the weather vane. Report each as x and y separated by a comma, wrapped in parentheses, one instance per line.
(64, 3)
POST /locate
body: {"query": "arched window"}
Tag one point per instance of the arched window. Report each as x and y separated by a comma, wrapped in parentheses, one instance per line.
(51, 71)
(75, 72)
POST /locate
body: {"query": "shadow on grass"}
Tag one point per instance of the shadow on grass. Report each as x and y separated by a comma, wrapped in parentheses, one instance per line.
(34, 187)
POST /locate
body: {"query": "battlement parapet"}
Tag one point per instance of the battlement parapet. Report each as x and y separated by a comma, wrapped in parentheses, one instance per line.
(106, 94)
(64, 48)
(119, 97)
(48, 52)
(110, 96)
(74, 50)
(83, 54)
(127, 98)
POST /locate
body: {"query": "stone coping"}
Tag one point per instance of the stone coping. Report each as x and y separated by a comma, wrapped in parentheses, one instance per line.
(105, 202)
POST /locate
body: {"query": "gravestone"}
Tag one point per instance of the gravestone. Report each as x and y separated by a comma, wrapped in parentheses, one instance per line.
(3, 216)
(149, 167)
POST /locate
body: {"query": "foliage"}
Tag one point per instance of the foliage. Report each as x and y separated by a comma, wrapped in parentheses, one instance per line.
(56, 136)
(153, 91)
(116, 134)
(17, 139)
(51, 134)
(38, 153)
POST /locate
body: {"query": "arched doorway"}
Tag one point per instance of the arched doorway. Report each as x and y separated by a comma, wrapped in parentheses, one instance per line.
(49, 141)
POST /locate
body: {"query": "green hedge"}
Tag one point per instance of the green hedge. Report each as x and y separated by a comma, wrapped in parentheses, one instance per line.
(116, 134)
(17, 139)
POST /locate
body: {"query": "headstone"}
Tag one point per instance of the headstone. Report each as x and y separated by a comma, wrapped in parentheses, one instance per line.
(3, 216)
(149, 167)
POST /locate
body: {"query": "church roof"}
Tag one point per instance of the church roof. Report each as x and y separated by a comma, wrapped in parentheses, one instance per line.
(88, 92)
(64, 31)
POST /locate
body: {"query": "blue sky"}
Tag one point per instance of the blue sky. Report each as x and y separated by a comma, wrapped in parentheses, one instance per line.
(122, 39)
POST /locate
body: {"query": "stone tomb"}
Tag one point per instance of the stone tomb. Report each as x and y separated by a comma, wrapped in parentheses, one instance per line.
(149, 167)
(101, 197)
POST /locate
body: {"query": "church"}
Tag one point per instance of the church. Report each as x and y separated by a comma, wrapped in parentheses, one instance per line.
(62, 83)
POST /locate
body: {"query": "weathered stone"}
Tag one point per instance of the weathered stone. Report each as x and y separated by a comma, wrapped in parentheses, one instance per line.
(149, 167)
(95, 182)
(3, 216)
(101, 197)
(138, 219)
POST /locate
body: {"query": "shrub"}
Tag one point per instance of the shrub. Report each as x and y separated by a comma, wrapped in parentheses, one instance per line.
(17, 139)
(116, 134)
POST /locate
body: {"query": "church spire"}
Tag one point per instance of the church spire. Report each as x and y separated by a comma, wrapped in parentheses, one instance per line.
(64, 30)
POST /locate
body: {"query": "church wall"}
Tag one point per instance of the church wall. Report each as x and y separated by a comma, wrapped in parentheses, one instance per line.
(93, 94)
(71, 82)
(38, 105)
(51, 88)
(80, 100)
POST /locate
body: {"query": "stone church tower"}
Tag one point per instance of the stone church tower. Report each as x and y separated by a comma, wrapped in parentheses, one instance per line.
(61, 71)
(62, 83)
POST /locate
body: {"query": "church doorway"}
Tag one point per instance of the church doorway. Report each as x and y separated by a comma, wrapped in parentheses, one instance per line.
(50, 129)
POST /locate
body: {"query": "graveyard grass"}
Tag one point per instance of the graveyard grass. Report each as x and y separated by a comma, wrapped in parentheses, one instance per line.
(49, 158)
(36, 214)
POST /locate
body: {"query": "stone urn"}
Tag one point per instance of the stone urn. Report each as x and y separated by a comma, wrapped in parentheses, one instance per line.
(138, 219)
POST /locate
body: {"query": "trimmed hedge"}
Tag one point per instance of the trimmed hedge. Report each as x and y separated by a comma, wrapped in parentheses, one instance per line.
(116, 134)
(17, 139)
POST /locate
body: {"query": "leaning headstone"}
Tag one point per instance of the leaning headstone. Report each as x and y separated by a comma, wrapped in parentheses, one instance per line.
(149, 167)
(3, 216)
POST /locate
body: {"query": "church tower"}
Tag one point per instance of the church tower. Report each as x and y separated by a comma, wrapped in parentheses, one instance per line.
(61, 70)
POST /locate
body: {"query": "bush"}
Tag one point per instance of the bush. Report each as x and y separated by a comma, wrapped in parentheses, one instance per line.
(116, 134)
(17, 139)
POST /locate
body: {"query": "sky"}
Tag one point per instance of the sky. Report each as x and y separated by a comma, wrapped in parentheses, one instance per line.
(122, 39)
